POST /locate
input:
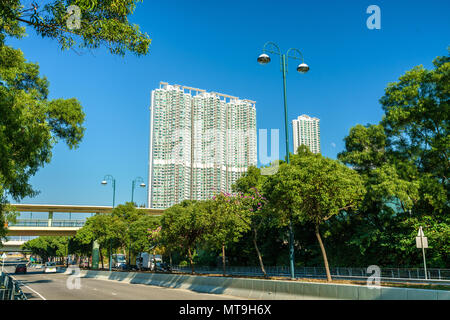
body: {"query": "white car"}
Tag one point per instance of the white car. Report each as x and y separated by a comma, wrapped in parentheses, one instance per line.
(50, 267)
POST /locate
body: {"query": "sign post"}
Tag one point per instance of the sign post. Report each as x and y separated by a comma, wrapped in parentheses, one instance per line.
(3, 260)
(422, 242)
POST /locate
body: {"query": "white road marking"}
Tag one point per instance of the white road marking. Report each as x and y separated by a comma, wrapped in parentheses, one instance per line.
(21, 284)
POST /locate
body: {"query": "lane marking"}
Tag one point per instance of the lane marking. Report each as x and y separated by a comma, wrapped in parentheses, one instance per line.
(21, 284)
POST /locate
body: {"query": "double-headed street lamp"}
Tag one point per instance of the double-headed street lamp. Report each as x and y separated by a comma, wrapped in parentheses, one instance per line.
(105, 180)
(110, 178)
(264, 58)
(134, 185)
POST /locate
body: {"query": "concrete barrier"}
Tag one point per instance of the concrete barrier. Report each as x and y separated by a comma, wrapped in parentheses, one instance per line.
(268, 289)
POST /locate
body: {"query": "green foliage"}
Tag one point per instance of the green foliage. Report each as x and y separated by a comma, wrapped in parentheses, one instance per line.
(30, 123)
(103, 23)
(108, 230)
(364, 147)
(127, 212)
(225, 226)
(313, 188)
(7, 215)
(48, 246)
(138, 233)
(416, 121)
(185, 225)
(404, 164)
(252, 178)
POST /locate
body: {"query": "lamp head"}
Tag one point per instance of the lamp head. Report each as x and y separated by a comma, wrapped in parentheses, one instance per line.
(263, 59)
(104, 182)
(303, 68)
(142, 185)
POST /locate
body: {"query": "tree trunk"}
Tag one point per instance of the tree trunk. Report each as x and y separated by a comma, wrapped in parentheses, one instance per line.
(190, 260)
(101, 257)
(258, 253)
(223, 259)
(324, 254)
(154, 261)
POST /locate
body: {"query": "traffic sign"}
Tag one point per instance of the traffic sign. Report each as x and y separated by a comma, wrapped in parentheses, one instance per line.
(422, 241)
(420, 233)
(3, 261)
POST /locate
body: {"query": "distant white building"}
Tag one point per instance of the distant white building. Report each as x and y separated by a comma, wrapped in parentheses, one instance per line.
(306, 131)
(200, 143)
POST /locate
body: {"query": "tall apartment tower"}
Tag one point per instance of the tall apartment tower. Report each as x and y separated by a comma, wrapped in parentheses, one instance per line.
(306, 130)
(200, 143)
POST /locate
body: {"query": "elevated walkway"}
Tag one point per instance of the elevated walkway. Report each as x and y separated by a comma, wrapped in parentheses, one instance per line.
(53, 227)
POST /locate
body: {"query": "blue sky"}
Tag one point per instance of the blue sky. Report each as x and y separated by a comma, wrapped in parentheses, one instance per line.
(213, 45)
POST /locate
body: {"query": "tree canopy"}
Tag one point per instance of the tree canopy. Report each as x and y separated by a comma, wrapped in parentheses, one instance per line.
(101, 23)
(31, 123)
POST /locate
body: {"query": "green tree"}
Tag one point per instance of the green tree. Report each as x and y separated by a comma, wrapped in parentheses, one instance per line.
(48, 246)
(225, 226)
(127, 212)
(138, 233)
(184, 225)
(30, 124)
(102, 23)
(7, 215)
(251, 179)
(108, 230)
(404, 164)
(313, 188)
(79, 248)
(417, 114)
(416, 121)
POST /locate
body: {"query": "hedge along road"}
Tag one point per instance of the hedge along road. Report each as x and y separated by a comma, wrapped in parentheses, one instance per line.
(53, 286)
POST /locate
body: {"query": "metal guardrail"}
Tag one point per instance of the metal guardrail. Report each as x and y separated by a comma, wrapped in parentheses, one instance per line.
(47, 223)
(319, 272)
(10, 289)
(68, 223)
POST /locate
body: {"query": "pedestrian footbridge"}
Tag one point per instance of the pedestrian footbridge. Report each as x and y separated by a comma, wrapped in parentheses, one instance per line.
(23, 229)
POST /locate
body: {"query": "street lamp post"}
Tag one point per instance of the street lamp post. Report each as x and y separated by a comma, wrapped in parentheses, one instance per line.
(110, 178)
(264, 58)
(107, 178)
(134, 185)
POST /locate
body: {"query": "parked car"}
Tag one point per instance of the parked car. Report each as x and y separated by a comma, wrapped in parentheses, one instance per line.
(123, 267)
(50, 267)
(163, 266)
(21, 268)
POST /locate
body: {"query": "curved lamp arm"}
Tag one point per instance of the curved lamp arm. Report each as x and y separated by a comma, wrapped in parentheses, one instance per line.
(293, 56)
(138, 179)
(109, 177)
(299, 56)
(269, 47)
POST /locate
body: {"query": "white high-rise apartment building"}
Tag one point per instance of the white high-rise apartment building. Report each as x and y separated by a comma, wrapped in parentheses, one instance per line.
(306, 131)
(200, 143)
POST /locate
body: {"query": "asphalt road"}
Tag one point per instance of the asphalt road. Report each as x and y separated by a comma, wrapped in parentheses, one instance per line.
(53, 286)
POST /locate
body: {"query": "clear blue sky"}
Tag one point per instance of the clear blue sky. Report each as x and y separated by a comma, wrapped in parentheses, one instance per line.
(213, 45)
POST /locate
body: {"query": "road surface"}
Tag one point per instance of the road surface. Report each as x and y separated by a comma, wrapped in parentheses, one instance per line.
(52, 286)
